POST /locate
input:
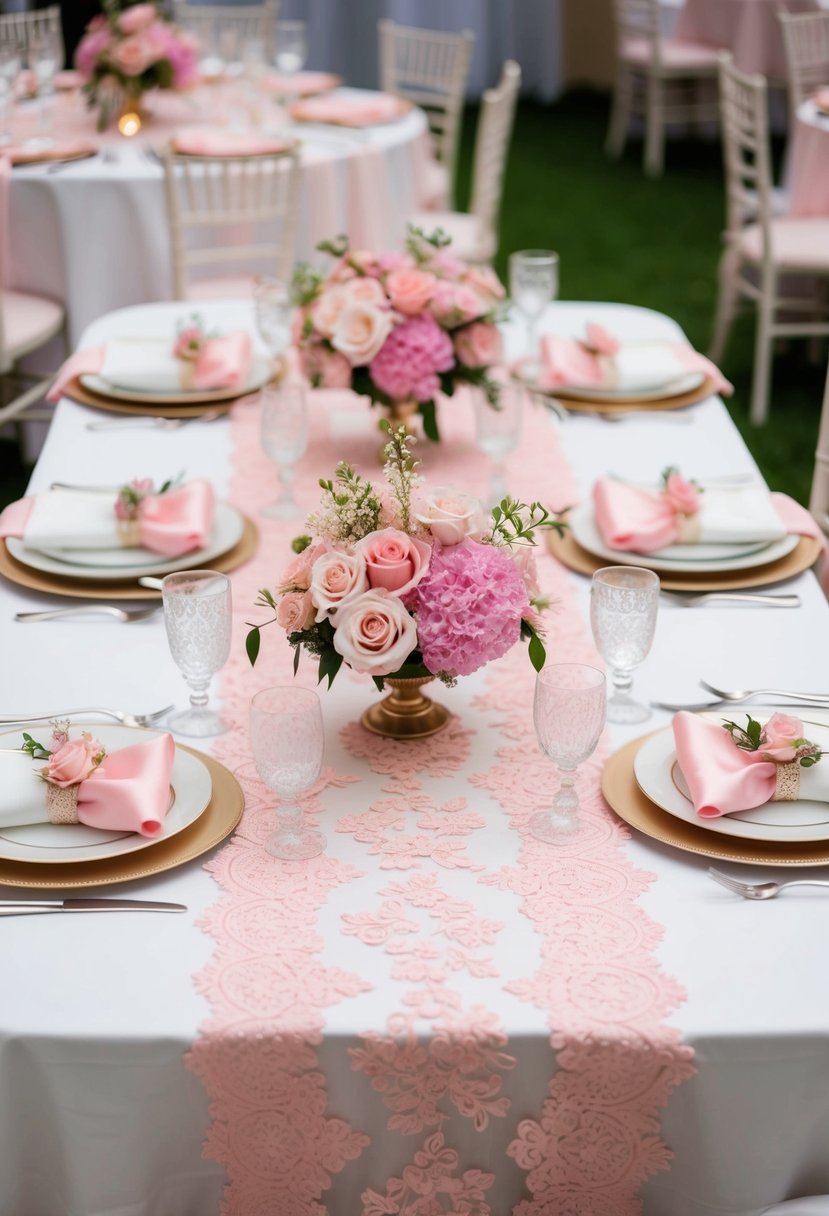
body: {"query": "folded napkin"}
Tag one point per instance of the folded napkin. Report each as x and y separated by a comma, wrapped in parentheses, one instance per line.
(821, 100)
(644, 521)
(213, 141)
(299, 84)
(723, 779)
(128, 792)
(171, 524)
(349, 111)
(67, 149)
(149, 365)
(635, 368)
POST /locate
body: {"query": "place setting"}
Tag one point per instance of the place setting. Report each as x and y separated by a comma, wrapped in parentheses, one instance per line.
(705, 535)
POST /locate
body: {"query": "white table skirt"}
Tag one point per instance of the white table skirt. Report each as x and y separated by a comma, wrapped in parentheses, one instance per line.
(97, 1112)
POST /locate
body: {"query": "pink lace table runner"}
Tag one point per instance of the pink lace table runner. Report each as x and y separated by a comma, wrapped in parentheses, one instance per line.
(440, 1014)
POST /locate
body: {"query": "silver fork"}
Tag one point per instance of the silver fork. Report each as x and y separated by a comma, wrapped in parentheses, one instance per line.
(745, 694)
(158, 424)
(700, 706)
(695, 599)
(125, 615)
(118, 714)
(762, 890)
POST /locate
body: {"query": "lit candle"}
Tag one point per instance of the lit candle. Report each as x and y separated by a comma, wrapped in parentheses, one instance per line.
(129, 124)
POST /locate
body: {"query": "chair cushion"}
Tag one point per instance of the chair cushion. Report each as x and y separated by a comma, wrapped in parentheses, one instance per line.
(797, 244)
(230, 287)
(676, 56)
(470, 241)
(28, 321)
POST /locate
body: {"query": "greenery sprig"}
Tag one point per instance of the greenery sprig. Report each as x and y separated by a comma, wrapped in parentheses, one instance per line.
(751, 738)
(514, 523)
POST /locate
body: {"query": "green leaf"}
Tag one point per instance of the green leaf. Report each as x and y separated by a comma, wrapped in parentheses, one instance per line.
(430, 421)
(379, 682)
(537, 651)
(296, 659)
(252, 644)
(330, 663)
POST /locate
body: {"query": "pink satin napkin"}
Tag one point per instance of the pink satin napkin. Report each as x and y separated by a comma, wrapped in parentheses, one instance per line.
(299, 84)
(721, 777)
(349, 111)
(69, 149)
(211, 141)
(821, 100)
(130, 790)
(170, 524)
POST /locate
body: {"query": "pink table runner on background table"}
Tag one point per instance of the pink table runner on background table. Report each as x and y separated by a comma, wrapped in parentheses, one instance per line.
(439, 1075)
(749, 29)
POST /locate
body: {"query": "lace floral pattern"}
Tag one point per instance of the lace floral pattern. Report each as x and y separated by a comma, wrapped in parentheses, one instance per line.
(425, 917)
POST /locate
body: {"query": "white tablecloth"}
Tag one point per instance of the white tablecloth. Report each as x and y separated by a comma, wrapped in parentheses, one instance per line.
(97, 1112)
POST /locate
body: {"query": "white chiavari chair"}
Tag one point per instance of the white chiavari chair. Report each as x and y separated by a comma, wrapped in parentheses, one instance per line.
(231, 218)
(19, 29)
(659, 79)
(475, 235)
(429, 68)
(761, 254)
(242, 22)
(27, 323)
(819, 499)
(806, 43)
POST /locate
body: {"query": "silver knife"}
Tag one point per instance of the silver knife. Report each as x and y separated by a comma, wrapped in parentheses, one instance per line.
(13, 907)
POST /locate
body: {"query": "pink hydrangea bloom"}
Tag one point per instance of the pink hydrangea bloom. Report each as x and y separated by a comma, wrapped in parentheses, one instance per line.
(468, 607)
(409, 360)
(91, 47)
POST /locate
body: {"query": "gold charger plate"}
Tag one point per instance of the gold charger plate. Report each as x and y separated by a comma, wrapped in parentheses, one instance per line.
(624, 796)
(570, 553)
(149, 409)
(630, 405)
(20, 157)
(118, 589)
(223, 812)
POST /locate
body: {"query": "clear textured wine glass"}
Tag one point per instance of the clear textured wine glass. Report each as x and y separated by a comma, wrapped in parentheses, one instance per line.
(623, 605)
(569, 714)
(499, 430)
(533, 284)
(45, 55)
(287, 738)
(274, 311)
(291, 46)
(9, 71)
(197, 615)
(284, 432)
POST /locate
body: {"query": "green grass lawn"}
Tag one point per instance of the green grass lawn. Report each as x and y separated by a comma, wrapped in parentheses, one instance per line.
(624, 237)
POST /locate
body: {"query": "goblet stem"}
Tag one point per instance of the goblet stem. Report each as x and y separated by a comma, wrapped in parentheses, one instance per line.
(292, 840)
(621, 707)
(560, 824)
(567, 800)
(285, 506)
(198, 692)
(531, 353)
(498, 486)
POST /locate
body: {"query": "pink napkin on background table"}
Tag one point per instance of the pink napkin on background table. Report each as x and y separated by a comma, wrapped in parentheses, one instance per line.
(212, 141)
(721, 777)
(130, 790)
(821, 100)
(299, 84)
(349, 111)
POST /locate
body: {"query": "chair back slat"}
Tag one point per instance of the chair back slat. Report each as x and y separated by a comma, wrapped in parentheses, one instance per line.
(492, 145)
(211, 22)
(806, 43)
(19, 29)
(638, 22)
(745, 135)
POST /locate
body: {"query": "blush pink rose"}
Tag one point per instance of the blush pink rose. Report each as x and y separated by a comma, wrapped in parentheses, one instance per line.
(92, 46)
(366, 291)
(296, 611)
(410, 290)
(137, 18)
(337, 578)
(188, 343)
(478, 344)
(135, 54)
(297, 575)
(375, 633)
(683, 496)
(450, 515)
(599, 340)
(74, 761)
(325, 311)
(325, 368)
(484, 280)
(394, 560)
(360, 332)
(780, 736)
(454, 304)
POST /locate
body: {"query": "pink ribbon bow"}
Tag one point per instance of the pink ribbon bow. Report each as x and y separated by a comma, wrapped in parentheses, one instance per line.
(179, 521)
(130, 790)
(722, 777)
(629, 517)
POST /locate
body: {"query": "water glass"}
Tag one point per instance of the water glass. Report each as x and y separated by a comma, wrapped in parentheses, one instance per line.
(287, 737)
(623, 604)
(533, 284)
(499, 430)
(284, 434)
(569, 715)
(291, 46)
(9, 71)
(274, 311)
(45, 56)
(197, 615)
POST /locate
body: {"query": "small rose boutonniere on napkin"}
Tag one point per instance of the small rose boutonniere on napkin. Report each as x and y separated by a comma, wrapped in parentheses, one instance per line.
(781, 740)
(682, 496)
(191, 337)
(70, 762)
(132, 495)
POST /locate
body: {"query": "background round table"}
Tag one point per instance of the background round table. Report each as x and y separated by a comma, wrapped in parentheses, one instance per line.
(749, 29)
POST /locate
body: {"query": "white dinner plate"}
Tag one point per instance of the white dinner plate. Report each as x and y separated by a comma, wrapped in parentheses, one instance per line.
(660, 778)
(109, 564)
(259, 374)
(190, 792)
(739, 557)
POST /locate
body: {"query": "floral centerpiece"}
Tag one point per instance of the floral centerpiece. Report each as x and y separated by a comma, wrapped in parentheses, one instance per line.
(399, 327)
(407, 585)
(129, 49)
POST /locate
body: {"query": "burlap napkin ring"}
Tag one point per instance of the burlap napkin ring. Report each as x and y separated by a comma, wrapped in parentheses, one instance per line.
(688, 529)
(787, 782)
(62, 803)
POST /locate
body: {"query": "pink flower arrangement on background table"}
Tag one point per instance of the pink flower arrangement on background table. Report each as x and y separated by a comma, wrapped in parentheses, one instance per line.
(128, 50)
(408, 584)
(399, 327)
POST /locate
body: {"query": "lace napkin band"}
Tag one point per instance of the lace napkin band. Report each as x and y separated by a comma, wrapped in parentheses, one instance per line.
(787, 782)
(62, 803)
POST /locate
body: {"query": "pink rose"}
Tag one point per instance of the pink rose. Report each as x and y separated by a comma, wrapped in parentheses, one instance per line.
(393, 260)
(682, 495)
(454, 304)
(375, 633)
(324, 367)
(484, 280)
(74, 761)
(599, 340)
(296, 611)
(447, 264)
(450, 515)
(337, 578)
(297, 575)
(410, 290)
(92, 46)
(394, 560)
(188, 343)
(360, 332)
(135, 54)
(478, 344)
(326, 309)
(137, 18)
(780, 735)
(366, 291)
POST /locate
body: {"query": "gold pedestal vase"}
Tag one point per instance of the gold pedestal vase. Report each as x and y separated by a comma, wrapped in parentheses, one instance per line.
(406, 713)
